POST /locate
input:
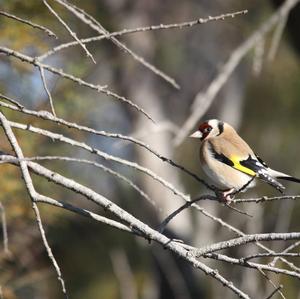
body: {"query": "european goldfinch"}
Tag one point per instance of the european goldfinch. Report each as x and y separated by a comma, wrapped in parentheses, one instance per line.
(229, 161)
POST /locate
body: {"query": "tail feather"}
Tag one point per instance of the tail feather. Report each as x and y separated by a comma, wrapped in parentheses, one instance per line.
(264, 175)
(289, 178)
(282, 176)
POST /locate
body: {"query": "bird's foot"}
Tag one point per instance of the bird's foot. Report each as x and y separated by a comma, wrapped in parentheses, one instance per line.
(226, 196)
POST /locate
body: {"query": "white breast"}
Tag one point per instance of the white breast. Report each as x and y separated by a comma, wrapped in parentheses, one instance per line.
(223, 175)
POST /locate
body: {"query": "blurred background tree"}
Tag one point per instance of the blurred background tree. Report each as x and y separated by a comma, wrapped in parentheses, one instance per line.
(260, 99)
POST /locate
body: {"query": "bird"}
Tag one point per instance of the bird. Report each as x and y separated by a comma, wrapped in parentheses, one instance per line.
(230, 162)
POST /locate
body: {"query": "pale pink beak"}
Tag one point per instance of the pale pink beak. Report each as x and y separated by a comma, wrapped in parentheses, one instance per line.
(196, 134)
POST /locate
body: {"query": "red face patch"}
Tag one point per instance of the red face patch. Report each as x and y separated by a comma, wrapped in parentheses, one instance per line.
(205, 129)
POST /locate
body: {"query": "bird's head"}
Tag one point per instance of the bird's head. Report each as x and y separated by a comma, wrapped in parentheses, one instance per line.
(208, 129)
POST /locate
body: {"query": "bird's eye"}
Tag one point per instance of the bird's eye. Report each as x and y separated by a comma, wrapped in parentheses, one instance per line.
(207, 130)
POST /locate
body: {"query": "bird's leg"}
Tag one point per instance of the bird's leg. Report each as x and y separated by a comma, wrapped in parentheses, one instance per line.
(225, 196)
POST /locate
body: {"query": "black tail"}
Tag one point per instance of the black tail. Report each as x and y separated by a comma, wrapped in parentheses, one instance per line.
(289, 178)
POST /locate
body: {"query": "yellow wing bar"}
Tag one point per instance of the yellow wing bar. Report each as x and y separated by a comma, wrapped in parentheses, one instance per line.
(236, 164)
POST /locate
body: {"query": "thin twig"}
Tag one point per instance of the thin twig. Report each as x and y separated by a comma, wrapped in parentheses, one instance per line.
(234, 261)
(134, 223)
(265, 199)
(4, 229)
(245, 240)
(165, 222)
(227, 205)
(83, 145)
(47, 90)
(237, 232)
(59, 72)
(258, 58)
(275, 291)
(291, 247)
(47, 116)
(94, 24)
(269, 254)
(31, 191)
(72, 33)
(123, 272)
(244, 187)
(182, 25)
(277, 37)
(48, 248)
(218, 197)
(98, 165)
(272, 283)
(203, 100)
(34, 25)
(84, 212)
(20, 106)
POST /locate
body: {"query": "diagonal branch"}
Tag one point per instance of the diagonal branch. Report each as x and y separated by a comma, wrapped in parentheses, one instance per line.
(32, 193)
(47, 90)
(83, 212)
(33, 25)
(203, 100)
(132, 222)
(47, 116)
(72, 33)
(105, 156)
(94, 24)
(288, 249)
(59, 72)
(182, 25)
(88, 162)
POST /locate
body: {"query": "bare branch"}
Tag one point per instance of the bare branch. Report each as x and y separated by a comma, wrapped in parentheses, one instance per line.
(83, 212)
(20, 107)
(266, 199)
(47, 116)
(277, 37)
(203, 100)
(34, 25)
(120, 218)
(136, 166)
(4, 229)
(134, 223)
(246, 239)
(31, 191)
(234, 261)
(47, 90)
(98, 88)
(237, 231)
(72, 33)
(165, 222)
(122, 270)
(182, 25)
(272, 283)
(94, 24)
(259, 51)
(218, 198)
(47, 246)
(269, 254)
(275, 291)
(291, 247)
(84, 161)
